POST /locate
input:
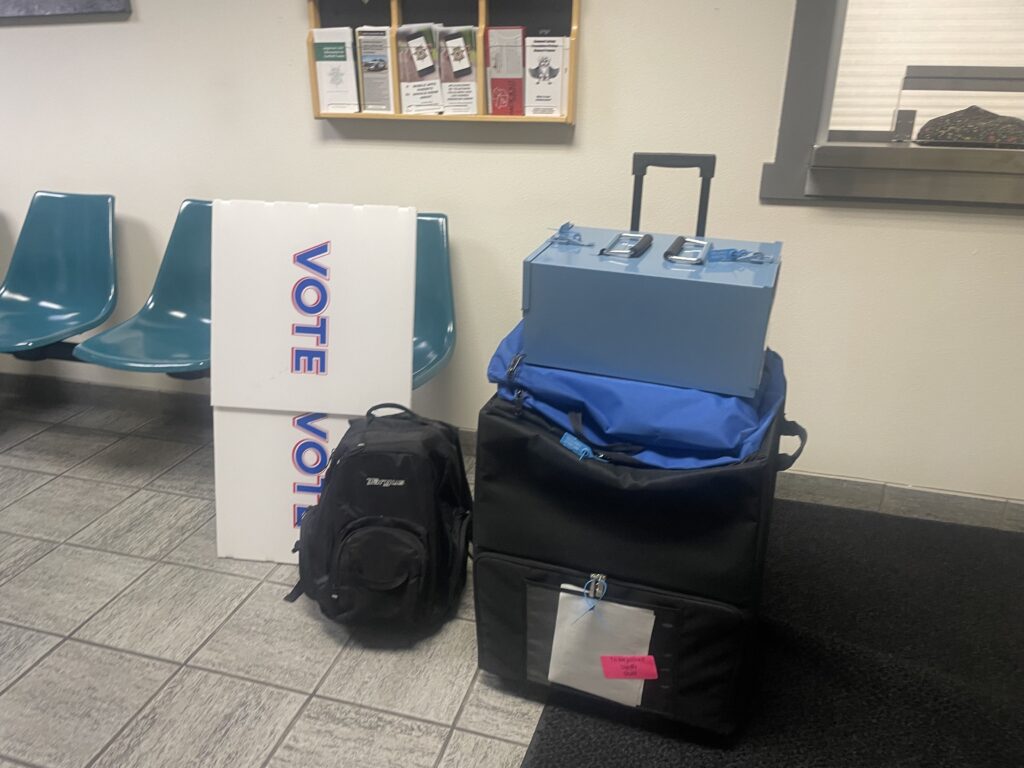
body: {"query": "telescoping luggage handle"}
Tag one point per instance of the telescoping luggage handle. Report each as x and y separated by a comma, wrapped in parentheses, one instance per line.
(644, 160)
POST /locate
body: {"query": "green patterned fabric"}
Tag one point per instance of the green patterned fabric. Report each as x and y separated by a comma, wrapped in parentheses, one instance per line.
(976, 127)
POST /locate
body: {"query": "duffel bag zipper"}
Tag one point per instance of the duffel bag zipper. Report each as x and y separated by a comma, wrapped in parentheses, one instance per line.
(555, 433)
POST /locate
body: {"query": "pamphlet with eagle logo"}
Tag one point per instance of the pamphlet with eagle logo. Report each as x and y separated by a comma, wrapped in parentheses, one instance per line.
(546, 60)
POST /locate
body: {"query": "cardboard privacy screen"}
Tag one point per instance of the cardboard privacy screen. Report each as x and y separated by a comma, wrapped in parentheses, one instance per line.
(312, 306)
(269, 468)
(312, 320)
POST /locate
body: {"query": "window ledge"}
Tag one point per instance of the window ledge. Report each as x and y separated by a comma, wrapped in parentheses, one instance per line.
(810, 170)
(911, 172)
(917, 157)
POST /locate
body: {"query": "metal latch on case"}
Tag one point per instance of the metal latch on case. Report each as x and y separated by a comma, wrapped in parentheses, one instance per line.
(688, 250)
(627, 245)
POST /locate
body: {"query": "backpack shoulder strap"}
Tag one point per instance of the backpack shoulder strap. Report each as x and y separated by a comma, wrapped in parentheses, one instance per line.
(298, 590)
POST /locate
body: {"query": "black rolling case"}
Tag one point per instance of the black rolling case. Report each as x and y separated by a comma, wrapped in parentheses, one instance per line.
(685, 544)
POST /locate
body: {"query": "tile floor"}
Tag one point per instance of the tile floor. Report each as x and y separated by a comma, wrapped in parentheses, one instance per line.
(125, 641)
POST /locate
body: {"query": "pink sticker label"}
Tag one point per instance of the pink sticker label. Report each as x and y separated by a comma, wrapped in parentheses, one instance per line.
(629, 667)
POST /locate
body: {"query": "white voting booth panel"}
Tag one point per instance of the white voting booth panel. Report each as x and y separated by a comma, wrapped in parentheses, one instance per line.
(269, 468)
(312, 305)
(312, 319)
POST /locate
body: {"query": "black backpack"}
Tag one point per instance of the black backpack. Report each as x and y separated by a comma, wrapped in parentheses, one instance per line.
(387, 542)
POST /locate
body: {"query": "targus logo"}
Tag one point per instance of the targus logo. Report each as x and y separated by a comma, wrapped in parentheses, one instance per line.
(385, 482)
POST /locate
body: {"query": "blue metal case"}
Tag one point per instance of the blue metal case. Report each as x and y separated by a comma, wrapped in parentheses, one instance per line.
(648, 318)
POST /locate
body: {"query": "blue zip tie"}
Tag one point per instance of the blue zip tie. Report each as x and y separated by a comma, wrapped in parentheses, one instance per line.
(581, 449)
(741, 255)
(567, 235)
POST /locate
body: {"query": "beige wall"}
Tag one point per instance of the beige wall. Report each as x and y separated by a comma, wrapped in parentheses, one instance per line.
(901, 327)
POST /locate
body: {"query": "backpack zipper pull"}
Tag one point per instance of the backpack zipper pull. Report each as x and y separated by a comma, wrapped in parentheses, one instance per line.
(596, 587)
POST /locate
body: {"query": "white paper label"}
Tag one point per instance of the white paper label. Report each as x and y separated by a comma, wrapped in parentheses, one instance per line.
(586, 630)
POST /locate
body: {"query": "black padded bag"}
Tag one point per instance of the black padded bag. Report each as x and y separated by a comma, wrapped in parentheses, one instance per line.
(387, 542)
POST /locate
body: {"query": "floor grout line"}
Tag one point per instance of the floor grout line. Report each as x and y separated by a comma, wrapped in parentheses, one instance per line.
(191, 664)
(302, 707)
(121, 436)
(287, 730)
(458, 714)
(381, 710)
(76, 404)
(226, 619)
(26, 627)
(485, 735)
(188, 664)
(45, 426)
(127, 498)
(881, 498)
(245, 678)
(108, 647)
(11, 576)
(24, 673)
(91, 456)
(129, 433)
(136, 432)
(162, 559)
(177, 464)
(168, 493)
(130, 720)
(146, 487)
(134, 488)
(67, 636)
(165, 561)
(12, 502)
(177, 673)
(157, 560)
(120, 592)
(19, 761)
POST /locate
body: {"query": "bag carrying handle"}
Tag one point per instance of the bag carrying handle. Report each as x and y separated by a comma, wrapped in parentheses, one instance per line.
(394, 406)
(791, 429)
(644, 160)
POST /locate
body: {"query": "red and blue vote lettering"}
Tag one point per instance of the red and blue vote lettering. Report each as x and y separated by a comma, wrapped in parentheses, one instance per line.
(310, 456)
(310, 296)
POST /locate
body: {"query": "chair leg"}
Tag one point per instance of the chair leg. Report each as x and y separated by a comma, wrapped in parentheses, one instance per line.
(59, 350)
(191, 375)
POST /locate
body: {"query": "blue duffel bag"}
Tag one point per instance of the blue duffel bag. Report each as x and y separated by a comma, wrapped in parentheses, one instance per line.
(646, 424)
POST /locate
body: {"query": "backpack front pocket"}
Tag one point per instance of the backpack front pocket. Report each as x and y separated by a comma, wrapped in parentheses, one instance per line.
(379, 571)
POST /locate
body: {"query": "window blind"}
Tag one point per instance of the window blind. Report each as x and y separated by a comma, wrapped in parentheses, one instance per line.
(882, 37)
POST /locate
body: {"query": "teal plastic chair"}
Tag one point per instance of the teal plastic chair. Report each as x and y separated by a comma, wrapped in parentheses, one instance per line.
(171, 333)
(61, 280)
(434, 325)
